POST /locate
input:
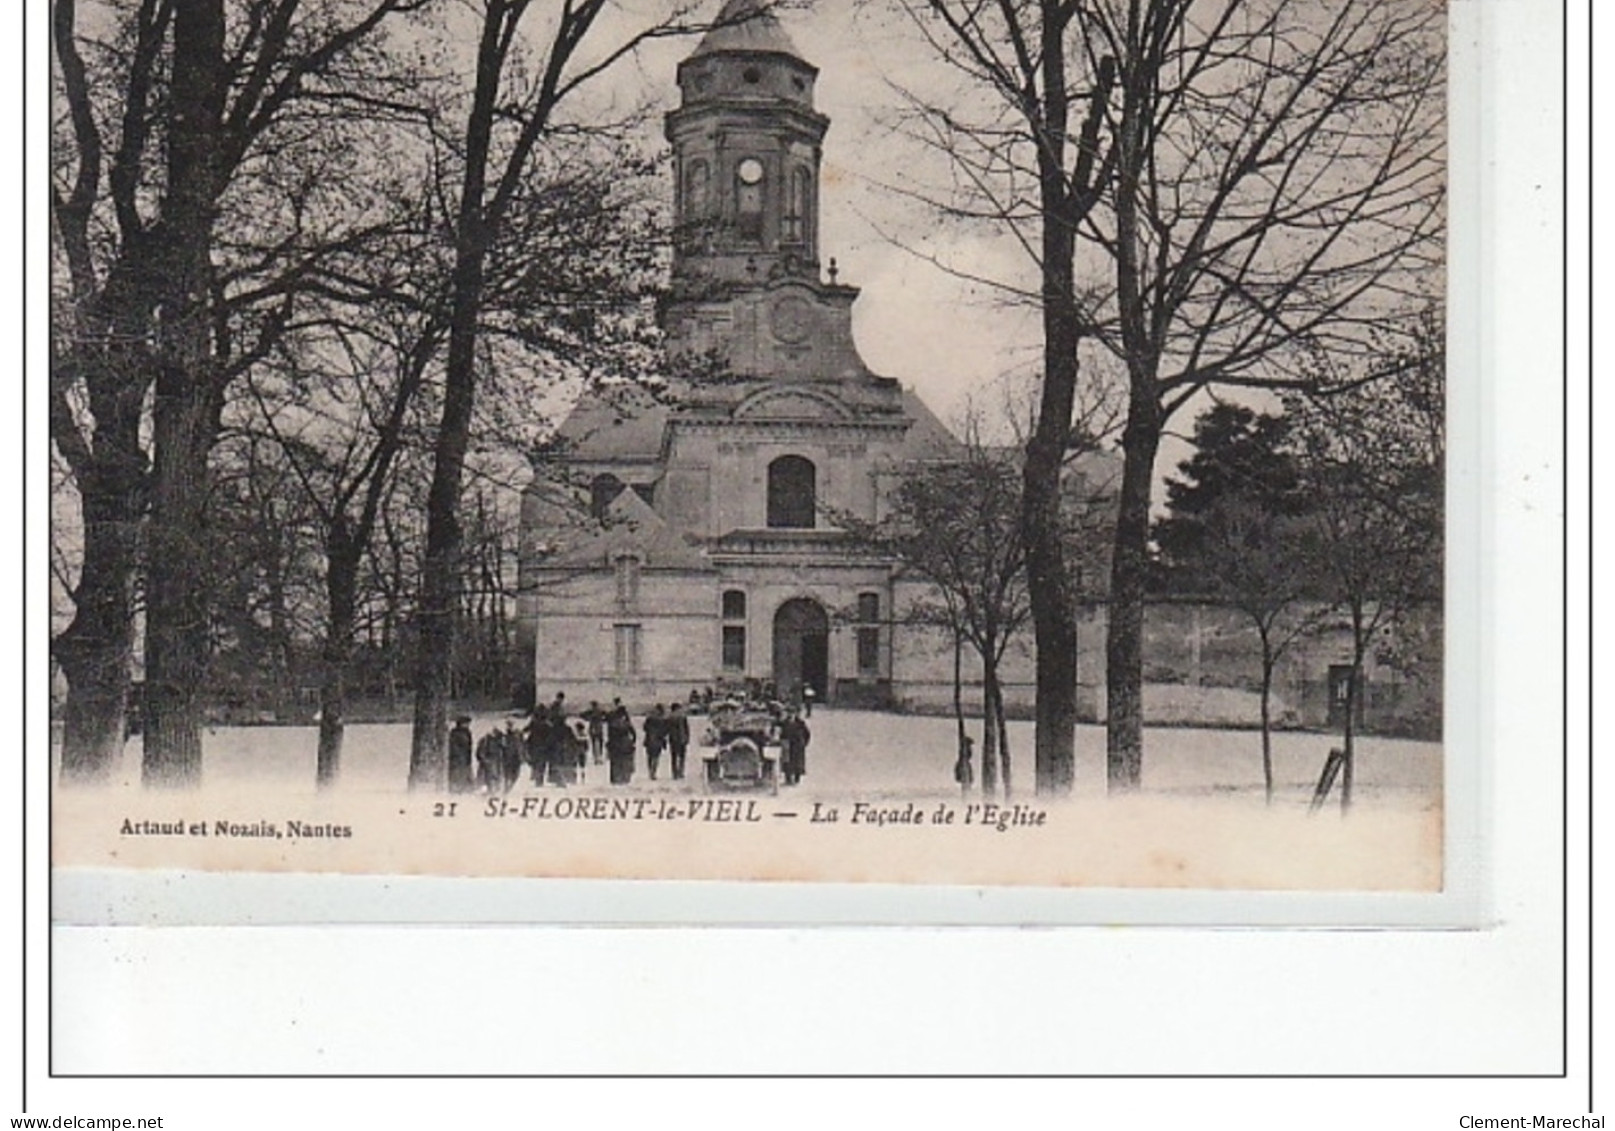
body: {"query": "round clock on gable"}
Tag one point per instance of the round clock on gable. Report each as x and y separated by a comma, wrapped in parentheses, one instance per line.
(751, 171)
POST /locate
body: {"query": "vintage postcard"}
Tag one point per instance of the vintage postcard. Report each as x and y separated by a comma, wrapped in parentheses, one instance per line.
(807, 443)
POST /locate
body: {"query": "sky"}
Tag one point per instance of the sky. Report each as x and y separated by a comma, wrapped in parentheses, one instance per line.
(946, 336)
(943, 335)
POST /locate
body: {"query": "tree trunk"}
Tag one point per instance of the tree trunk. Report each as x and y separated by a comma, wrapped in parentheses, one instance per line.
(995, 704)
(440, 575)
(1349, 764)
(989, 735)
(107, 352)
(333, 712)
(341, 589)
(440, 571)
(177, 568)
(275, 597)
(1347, 746)
(1053, 603)
(1267, 724)
(96, 649)
(1268, 661)
(958, 694)
(1124, 640)
(185, 419)
(95, 716)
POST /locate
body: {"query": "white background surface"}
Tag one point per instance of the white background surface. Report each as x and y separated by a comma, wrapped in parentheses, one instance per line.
(956, 1001)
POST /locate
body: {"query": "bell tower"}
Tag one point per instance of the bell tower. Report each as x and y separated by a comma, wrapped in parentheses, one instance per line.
(748, 287)
(746, 147)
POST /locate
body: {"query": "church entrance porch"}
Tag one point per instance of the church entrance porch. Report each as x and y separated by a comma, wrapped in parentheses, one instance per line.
(802, 648)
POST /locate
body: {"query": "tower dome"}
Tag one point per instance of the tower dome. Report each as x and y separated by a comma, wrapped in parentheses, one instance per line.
(747, 27)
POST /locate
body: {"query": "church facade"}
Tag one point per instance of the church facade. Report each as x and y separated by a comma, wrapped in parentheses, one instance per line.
(711, 552)
(685, 541)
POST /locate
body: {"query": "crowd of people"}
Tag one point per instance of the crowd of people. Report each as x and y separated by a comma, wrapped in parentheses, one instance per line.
(551, 747)
(760, 694)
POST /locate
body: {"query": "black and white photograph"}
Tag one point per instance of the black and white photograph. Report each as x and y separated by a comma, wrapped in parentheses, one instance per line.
(911, 442)
(658, 487)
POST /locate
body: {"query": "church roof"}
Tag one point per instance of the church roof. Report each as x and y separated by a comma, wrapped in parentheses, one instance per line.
(630, 428)
(633, 527)
(614, 427)
(1097, 473)
(747, 26)
(927, 437)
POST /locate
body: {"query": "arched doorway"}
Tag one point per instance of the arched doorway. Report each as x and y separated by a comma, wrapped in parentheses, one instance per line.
(802, 648)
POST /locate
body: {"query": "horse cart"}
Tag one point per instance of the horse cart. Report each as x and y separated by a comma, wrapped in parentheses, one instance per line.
(742, 762)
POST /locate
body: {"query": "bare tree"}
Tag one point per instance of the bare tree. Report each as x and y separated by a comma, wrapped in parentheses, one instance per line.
(1278, 191)
(1263, 563)
(515, 107)
(340, 411)
(955, 525)
(1373, 459)
(263, 598)
(1032, 160)
(184, 244)
(1259, 182)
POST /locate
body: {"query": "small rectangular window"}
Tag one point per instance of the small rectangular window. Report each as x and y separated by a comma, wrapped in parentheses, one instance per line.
(869, 608)
(734, 605)
(627, 649)
(627, 580)
(734, 648)
(868, 651)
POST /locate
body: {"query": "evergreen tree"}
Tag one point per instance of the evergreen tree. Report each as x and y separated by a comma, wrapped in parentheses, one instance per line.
(1240, 461)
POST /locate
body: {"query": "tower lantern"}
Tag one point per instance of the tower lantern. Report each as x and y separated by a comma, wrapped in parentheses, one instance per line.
(746, 147)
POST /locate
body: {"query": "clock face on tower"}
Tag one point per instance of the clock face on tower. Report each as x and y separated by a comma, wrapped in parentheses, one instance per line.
(751, 171)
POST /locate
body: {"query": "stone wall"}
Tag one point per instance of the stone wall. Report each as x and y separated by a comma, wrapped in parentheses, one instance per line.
(1202, 662)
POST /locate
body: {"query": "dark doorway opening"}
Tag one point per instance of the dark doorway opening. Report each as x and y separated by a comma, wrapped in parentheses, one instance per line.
(1340, 688)
(802, 648)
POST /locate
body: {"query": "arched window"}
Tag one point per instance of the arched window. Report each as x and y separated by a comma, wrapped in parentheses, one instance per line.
(791, 493)
(798, 208)
(602, 489)
(868, 634)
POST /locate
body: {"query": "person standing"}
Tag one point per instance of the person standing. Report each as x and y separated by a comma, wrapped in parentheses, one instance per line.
(460, 755)
(964, 770)
(678, 739)
(537, 751)
(620, 739)
(491, 760)
(595, 716)
(577, 750)
(655, 738)
(512, 755)
(558, 749)
(794, 736)
(808, 695)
